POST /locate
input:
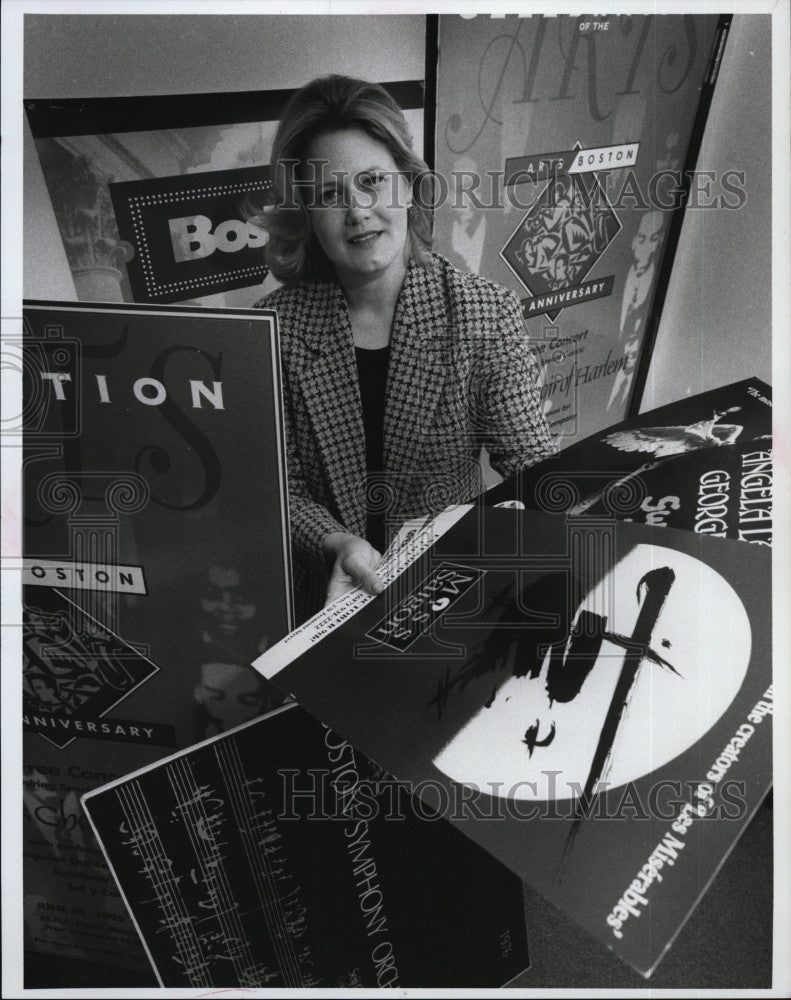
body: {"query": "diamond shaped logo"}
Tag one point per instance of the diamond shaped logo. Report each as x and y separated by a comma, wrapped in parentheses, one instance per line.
(563, 235)
(72, 664)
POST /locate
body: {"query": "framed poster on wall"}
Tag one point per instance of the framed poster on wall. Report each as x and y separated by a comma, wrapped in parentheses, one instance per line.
(567, 144)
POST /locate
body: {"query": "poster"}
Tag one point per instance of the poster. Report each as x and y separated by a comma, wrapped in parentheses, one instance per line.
(703, 464)
(154, 487)
(562, 142)
(278, 856)
(590, 700)
(191, 235)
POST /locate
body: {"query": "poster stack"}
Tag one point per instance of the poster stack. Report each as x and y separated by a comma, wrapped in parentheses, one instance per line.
(154, 494)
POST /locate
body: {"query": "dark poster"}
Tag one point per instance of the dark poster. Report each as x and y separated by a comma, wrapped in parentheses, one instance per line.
(279, 856)
(587, 699)
(563, 141)
(155, 571)
(703, 464)
(150, 195)
(190, 235)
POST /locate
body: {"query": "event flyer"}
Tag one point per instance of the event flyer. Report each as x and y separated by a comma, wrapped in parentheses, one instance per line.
(154, 482)
(278, 856)
(588, 699)
(561, 142)
(703, 464)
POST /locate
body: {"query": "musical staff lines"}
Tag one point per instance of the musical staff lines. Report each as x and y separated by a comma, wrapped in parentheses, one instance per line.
(202, 816)
(230, 886)
(145, 841)
(207, 842)
(284, 915)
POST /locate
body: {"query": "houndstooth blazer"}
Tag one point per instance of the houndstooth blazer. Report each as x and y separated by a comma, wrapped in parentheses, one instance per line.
(461, 376)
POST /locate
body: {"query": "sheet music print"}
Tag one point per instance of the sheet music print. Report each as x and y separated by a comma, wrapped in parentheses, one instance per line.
(285, 915)
(143, 838)
(237, 875)
(224, 945)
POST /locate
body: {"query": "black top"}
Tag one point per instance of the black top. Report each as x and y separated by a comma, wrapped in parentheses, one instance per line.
(372, 372)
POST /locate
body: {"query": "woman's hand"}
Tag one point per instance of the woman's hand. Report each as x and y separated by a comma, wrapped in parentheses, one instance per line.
(354, 565)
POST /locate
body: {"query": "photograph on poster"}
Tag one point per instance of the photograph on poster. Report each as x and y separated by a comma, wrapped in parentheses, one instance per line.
(395, 496)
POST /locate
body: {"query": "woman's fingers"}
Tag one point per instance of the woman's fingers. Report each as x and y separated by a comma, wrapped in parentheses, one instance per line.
(354, 567)
(370, 582)
(358, 560)
(339, 583)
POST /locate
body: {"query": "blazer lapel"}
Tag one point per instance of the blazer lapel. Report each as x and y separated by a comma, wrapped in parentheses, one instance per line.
(330, 388)
(419, 353)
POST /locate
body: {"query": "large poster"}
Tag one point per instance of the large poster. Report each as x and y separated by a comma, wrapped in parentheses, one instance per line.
(588, 699)
(156, 568)
(562, 144)
(279, 856)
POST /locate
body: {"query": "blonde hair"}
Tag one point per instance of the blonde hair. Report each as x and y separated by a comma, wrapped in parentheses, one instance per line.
(330, 104)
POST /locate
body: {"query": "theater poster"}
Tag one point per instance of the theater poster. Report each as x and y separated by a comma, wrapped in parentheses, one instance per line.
(155, 570)
(703, 464)
(279, 856)
(561, 145)
(588, 699)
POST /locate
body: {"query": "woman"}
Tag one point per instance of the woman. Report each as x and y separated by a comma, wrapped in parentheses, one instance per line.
(397, 367)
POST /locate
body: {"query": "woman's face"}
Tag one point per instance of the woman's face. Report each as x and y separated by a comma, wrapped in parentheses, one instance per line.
(359, 208)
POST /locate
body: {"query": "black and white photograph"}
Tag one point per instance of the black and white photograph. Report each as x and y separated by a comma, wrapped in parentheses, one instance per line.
(395, 497)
